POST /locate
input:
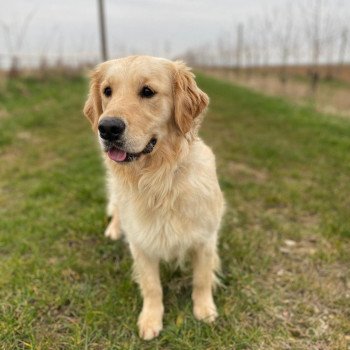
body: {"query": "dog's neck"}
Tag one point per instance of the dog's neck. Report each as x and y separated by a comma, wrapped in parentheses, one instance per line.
(154, 178)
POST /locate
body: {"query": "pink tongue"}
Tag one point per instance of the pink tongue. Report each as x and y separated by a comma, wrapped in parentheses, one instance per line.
(117, 155)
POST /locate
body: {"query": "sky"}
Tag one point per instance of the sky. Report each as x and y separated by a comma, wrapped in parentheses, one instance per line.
(150, 26)
(158, 27)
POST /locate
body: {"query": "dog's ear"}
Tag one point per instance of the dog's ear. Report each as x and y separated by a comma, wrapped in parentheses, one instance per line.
(189, 100)
(93, 105)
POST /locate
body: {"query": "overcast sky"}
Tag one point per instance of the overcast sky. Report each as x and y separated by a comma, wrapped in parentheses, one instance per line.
(139, 26)
(134, 24)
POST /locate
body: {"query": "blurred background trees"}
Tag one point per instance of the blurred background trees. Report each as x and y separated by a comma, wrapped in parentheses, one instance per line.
(302, 39)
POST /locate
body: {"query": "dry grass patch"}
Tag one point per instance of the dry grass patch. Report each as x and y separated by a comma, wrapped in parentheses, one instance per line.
(330, 98)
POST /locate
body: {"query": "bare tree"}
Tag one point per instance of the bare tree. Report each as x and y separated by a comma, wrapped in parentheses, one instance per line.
(224, 49)
(248, 60)
(47, 41)
(14, 40)
(239, 47)
(284, 32)
(60, 53)
(320, 24)
(265, 33)
(301, 32)
(344, 39)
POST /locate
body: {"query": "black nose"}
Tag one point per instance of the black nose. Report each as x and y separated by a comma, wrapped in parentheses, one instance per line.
(111, 128)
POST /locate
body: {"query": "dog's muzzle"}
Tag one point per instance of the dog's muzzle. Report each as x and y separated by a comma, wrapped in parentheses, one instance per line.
(111, 130)
(119, 155)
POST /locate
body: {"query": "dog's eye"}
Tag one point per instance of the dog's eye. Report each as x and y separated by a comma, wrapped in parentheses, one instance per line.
(147, 92)
(107, 91)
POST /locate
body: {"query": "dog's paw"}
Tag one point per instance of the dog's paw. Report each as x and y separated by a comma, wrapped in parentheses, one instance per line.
(149, 327)
(112, 231)
(205, 312)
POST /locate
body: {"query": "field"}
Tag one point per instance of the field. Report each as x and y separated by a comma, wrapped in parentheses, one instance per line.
(285, 172)
(340, 72)
(330, 96)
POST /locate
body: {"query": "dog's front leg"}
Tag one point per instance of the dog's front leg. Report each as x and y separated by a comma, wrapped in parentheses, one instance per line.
(146, 271)
(205, 262)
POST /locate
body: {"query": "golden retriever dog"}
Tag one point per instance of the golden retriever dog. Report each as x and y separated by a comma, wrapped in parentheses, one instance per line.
(162, 185)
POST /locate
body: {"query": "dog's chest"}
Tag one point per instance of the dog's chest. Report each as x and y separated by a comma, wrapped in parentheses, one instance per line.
(161, 230)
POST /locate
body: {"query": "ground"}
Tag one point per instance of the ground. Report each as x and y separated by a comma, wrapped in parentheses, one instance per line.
(331, 96)
(284, 242)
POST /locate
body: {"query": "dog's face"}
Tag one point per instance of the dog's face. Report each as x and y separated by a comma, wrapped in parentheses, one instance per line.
(135, 102)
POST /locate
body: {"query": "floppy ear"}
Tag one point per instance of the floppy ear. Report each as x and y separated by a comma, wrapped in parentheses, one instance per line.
(93, 105)
(189, 100)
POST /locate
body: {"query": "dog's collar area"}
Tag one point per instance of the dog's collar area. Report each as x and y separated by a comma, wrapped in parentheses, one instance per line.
(120, 156)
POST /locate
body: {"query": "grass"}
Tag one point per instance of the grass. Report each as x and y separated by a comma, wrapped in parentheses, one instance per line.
(330, 97)
(284, 244)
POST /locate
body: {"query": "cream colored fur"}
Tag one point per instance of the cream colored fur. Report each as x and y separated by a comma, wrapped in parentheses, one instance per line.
(168, 203)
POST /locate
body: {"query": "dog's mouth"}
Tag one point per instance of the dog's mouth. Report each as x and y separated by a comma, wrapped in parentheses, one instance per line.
(119, 155)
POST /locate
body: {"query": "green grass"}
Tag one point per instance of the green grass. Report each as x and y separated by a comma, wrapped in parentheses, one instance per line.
(285, 172)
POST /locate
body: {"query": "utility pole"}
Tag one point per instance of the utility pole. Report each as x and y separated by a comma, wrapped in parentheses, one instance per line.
(101, 14)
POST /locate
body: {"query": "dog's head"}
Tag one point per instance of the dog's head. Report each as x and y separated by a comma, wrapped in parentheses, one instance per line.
(136, 101)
